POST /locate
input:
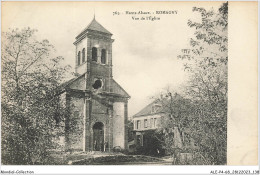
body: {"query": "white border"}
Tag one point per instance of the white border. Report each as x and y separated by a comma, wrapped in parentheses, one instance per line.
(88, 169)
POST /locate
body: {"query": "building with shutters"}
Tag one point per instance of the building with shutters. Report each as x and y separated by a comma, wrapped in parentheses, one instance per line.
(153, 118)
(148, 119)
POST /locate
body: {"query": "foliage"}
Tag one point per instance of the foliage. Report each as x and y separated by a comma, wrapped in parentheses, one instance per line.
(152, 144)
(31, 112)
(201, 118)
(207, 58)
(207, 63)
(130, 128)
(208, 83)
(176, 120)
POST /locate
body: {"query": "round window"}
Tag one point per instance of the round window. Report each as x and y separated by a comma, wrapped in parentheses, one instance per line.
(97, 84)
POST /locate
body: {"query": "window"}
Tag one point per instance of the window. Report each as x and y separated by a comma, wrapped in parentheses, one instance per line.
(145, 123)
(155, 124)
(138, 124)
(103, 56)
(79, 58)
(83, 55)
(97, 84)
(151, 123)
(94, 54)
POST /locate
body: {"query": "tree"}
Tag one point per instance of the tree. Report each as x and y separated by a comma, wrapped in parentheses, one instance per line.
(200, 115)
(31, 112)
(206, 60)
(177, 113)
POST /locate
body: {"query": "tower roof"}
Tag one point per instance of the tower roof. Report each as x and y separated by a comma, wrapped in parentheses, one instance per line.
(94, 25)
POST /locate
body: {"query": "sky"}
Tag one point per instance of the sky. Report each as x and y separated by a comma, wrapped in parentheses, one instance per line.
(144, 51)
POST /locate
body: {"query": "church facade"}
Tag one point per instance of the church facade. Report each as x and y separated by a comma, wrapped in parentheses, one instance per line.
(96, 105)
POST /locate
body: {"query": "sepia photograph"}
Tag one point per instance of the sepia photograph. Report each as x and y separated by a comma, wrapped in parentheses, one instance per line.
(120, 83)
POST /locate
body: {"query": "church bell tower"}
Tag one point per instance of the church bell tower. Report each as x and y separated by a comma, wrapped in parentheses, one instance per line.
(96, 118)
(94, 56)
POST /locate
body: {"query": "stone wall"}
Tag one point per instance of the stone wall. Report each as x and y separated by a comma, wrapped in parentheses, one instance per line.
(76, 123)
(82, 68)
(96, 69)
(79, 84)
(100, 44)
(100, 114)
(118, 125)
(88, 43)
(80, 137)
(102, 72)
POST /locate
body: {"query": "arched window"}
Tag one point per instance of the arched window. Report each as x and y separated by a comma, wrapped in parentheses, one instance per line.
(79, 58)
(94, 54)
(103, 56)
(83, 55)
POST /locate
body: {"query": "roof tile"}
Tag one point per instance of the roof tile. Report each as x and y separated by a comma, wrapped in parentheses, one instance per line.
(94, 25)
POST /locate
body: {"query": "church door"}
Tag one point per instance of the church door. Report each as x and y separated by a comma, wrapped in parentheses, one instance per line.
(98, 137)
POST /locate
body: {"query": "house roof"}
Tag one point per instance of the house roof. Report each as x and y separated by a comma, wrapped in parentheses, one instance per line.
(162, 106)
(95, 26)
(148, 110)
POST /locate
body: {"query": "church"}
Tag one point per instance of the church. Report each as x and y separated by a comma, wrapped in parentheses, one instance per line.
(96, 105)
